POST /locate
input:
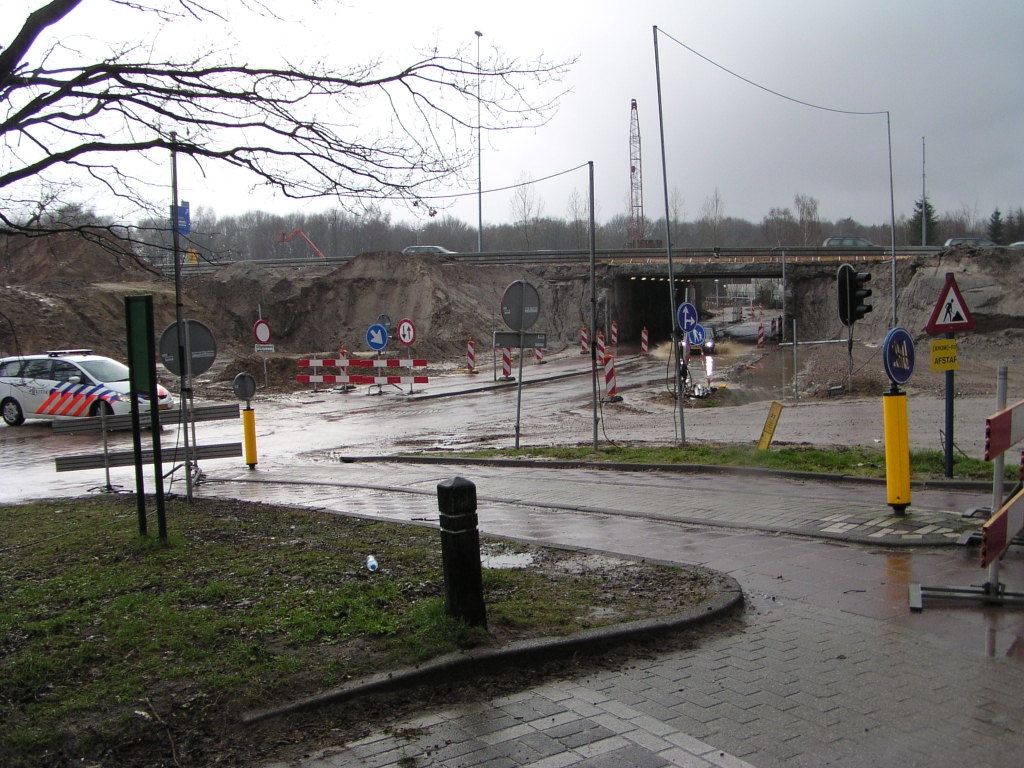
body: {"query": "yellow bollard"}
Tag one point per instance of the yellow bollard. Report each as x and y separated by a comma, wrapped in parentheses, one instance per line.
(249, 436)
(897, 450)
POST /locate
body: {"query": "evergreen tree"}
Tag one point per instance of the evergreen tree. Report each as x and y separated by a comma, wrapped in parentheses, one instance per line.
(914, 224)
(995, 227)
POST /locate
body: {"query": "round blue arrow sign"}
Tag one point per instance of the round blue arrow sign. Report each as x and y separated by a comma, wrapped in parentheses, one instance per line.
(898, 356)
(686, 316)
(697, 335)
(376, 337)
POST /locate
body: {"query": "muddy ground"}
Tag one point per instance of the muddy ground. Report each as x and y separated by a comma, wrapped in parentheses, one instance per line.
(66, 292)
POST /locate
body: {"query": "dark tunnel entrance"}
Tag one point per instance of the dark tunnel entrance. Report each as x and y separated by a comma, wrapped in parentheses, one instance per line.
(645, 303)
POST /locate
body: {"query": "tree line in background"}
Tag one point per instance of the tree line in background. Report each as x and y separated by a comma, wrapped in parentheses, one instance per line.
(260, 235)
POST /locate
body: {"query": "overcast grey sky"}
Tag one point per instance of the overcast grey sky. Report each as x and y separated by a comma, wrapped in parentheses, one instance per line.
(947, 71)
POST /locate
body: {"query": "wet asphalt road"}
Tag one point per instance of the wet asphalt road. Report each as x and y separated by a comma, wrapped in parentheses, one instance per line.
(808, 598)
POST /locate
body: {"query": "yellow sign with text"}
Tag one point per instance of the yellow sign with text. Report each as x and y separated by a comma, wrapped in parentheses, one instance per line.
(769, 426)
(944, 355)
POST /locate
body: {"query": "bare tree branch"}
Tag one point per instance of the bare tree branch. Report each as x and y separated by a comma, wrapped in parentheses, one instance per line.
(302, 131)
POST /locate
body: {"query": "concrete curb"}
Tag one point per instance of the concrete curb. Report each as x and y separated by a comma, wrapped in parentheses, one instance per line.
(476, 663)
(720, 469)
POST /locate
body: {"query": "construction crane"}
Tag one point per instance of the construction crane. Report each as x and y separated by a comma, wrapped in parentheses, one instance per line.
(636, 183)
(284, 238)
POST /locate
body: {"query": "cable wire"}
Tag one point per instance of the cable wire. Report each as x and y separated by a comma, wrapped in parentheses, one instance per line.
(765, 88)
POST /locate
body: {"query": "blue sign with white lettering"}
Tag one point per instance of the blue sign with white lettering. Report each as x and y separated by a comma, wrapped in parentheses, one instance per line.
(376, 337)
(898, 356)
(686, 316)
(697, 335)
(184, 219)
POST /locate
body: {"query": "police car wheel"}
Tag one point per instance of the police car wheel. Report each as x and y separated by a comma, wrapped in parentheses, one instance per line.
(12, 413)
(107, 410)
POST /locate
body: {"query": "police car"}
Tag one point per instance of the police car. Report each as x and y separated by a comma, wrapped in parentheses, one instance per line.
(67, 383)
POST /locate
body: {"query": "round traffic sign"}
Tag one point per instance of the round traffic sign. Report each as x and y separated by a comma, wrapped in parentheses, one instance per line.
(406, 332)
(376, 337)
(686, 316)
(697, 335)
(261, 331)
(200, 345)
(898, 356)
(384, 320)
(520, 305)
(244, 386)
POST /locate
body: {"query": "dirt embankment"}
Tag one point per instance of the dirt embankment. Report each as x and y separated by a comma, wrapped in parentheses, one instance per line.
(68, 292)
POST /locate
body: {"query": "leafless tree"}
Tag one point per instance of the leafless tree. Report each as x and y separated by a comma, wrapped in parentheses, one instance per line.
(712, 214)
(578, 215)
(780, 228)
(526, 208)
(70, 119)
(807, 219)
(677, 211)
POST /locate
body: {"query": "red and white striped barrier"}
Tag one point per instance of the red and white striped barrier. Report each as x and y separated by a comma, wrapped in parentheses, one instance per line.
(345, 363)
(773, 329)
(538, 355)
(471, 356)
(611, 389)
(506, 364)
(615, 333)
(760, 334)
(584, 340)
(644, 349)
(601, 352)
(1000, 530)
(1004, 430)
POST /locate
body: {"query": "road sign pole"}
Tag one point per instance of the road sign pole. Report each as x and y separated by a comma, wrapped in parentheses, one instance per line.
(949, 419)
(997, 469)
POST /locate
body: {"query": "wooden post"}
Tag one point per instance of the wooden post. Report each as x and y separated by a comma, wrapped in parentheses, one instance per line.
(460, 552)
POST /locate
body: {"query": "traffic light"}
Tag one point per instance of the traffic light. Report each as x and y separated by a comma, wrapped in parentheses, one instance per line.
(852, 292)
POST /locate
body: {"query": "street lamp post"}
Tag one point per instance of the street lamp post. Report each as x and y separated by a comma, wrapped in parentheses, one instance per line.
(479, 174)
(717, 305)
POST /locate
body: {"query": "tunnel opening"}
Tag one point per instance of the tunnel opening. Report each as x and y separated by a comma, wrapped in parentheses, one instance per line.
(644, 302)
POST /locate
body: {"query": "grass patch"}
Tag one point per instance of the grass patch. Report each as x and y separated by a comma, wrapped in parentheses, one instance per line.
(859, 461)
(111, 643)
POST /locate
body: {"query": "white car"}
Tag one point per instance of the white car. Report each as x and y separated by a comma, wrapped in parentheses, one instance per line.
(65, 384)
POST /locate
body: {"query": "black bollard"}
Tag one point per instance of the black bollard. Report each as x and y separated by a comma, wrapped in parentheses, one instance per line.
(460, 552)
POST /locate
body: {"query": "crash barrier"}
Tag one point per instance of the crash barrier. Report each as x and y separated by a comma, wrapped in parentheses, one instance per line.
(471, 356)
(127, 458)
(601, 351)
(109, 459)
(760, 334)
(644, 342)
(344, 363)
(615, 334)
(584, 340)
(538, 355)
(506, 364)
(117, 423)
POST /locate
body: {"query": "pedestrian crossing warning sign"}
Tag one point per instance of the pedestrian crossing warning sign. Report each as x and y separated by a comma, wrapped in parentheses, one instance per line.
(950, 314)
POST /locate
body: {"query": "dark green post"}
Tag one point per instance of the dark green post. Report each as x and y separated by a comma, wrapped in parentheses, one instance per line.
(460, 552)
(138, 312)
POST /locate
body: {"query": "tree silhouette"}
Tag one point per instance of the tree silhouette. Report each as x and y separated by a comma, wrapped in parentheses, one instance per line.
(69, 122)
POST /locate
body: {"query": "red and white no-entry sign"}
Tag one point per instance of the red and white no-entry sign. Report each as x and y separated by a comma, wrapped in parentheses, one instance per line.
(406, 332)
(261, 331)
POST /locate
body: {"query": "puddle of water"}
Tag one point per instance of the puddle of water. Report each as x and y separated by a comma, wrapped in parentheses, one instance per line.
(510, 560)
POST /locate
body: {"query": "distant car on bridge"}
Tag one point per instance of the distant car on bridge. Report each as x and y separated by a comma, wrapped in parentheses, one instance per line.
(849, 242)
(429, 250)
(977, 242)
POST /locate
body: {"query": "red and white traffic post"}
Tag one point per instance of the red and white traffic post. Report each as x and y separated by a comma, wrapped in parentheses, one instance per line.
(538, 355)
(471, 356)
(760, 334)
(644, 345)
(600, 346)
(611, 389)
(615, 334)
(584, 341)
(506, 364)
